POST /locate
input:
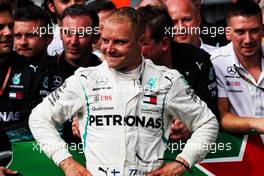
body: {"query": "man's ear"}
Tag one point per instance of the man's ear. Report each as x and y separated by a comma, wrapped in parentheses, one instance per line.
(96, 37)
(51, 7)
(61, 32)
(228, 31)
(165, 43)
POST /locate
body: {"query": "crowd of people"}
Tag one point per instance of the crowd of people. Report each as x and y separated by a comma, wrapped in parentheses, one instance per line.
(124, 82)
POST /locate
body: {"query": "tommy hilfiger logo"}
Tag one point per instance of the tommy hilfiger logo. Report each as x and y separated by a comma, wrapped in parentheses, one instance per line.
(150, 99)
(16, 95)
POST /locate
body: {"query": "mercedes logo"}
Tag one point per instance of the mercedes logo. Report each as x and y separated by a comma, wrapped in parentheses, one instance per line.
(102, 81)
(57, 80)
(231, 70)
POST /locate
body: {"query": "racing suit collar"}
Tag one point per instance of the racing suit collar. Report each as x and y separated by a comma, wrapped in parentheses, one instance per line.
(135, 74)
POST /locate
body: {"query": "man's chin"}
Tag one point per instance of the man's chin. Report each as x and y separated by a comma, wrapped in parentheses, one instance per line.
(180, 40)
(249, 54)
(252, 50)
(113, 65)
(5, 50)
(25, 54)
(72, 56)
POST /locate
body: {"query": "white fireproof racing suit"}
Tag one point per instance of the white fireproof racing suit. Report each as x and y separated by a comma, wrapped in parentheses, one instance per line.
(124, 118)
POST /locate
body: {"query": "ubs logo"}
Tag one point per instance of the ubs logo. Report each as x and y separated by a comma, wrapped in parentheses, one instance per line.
(101, 98)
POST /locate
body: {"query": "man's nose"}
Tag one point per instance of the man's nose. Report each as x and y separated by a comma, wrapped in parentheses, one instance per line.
(248, 37)
(110, 48)
(74, 39)
(23, 40)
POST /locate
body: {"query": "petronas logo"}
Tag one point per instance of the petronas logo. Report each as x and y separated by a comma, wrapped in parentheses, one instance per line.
(16, 79)
(152, 83)
(46, 82)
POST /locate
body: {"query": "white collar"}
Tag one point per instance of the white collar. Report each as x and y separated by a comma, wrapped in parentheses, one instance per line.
(133, 74)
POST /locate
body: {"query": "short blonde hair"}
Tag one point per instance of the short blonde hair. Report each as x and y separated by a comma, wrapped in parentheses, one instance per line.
(128, 14)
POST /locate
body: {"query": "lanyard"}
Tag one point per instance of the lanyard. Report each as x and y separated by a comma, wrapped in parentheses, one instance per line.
(5, 81)
(246, 79)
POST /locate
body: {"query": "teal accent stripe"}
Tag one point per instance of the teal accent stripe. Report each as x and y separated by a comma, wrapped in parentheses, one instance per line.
(88, 118)
(164, 139)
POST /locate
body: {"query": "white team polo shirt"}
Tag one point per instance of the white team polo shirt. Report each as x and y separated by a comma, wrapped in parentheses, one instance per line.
(208, 48)
(245, 99)
(56, 46)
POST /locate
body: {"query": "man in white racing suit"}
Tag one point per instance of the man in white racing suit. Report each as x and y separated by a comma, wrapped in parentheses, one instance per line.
(125, 108)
